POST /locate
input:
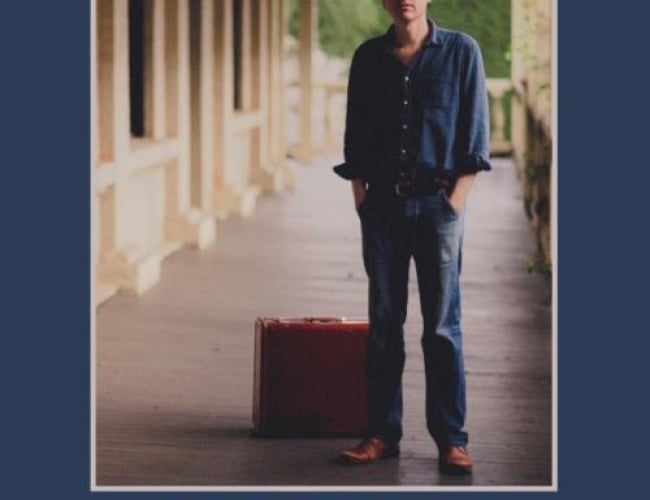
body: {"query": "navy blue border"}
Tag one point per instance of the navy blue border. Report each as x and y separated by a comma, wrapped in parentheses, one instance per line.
(44, 92)
(45, 253)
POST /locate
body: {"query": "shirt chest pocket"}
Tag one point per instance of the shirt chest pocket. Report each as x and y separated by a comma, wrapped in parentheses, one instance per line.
(435, 93)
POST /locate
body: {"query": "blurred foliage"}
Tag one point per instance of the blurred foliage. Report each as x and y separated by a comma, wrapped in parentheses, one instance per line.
(537, 194)
(488, 21)
(542, 266)
(344, 24)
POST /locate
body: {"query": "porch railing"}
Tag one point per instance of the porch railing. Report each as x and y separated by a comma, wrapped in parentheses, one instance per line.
(329, 123)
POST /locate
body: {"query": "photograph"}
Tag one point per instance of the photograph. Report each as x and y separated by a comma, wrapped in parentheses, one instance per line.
(323, 245)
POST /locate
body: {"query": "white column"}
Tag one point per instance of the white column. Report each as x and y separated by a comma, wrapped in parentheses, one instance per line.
(119, 262)
(247, 29)
(224, 91)
(308, 41)
(182, 223)
(121, 126)
(207, 98)
(518, 103)
(262, 55)
(154, 59)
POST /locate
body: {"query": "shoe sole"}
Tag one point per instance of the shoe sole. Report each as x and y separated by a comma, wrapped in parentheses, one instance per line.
(455, 470)
(345, 460)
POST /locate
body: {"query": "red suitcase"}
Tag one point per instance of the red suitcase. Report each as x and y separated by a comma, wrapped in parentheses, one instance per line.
(309, 377)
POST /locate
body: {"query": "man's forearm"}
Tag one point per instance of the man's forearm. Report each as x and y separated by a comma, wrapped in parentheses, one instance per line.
(358, 191)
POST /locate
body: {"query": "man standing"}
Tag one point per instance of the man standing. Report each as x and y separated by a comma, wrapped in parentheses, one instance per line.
(416, 135)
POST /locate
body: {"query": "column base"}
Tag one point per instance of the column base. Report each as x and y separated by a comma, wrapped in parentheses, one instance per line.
(275, 178)
(103, 292)
(302, 154)
(269, 179)
(288, 176)
(129, 271)
(193, 228)
(242, 203)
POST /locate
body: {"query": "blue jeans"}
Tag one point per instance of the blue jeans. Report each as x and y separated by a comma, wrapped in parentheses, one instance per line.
(427, 229)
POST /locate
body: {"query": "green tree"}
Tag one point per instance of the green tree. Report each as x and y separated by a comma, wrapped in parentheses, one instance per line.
(488, 21)
(344, 24)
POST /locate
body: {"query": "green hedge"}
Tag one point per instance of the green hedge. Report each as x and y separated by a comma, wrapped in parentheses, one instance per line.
(344, 24)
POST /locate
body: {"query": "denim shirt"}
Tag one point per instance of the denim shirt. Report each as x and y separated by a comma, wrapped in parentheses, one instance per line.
(429, 118)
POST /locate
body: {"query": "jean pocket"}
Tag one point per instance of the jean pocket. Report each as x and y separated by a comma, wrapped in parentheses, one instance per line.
(447, 205)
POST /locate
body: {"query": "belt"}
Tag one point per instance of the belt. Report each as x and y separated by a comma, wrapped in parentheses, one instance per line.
(405, 189)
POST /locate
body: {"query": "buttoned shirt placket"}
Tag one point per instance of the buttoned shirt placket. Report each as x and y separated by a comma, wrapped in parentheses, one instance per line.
(408, 75)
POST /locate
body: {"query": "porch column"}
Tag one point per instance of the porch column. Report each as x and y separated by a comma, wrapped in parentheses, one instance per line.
(116, 268)
(268, 166)
(183, 223)
(308, 42)
(518, 121)
(154, 72)
(202, 98)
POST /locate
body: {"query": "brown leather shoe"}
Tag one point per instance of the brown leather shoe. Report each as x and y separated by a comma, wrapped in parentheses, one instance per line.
(455, 460)
(368, 451)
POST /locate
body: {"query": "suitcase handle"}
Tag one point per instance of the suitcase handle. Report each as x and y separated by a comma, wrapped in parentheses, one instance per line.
(317, 320)
(324, 320)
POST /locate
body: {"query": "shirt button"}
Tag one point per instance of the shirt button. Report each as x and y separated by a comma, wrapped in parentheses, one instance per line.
(406, 103)
(403, 151)
(405, 126)
(406, 78)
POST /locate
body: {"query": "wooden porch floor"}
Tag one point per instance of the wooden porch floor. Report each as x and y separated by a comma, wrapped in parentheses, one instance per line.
(175, 366)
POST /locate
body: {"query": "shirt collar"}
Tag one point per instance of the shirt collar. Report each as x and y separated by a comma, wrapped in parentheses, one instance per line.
(433, 38)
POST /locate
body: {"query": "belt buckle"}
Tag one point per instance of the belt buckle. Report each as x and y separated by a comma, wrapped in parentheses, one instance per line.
(403, 188)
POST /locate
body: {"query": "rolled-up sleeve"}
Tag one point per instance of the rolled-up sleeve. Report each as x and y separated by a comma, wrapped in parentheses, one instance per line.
(357, 145)
(474, 121)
